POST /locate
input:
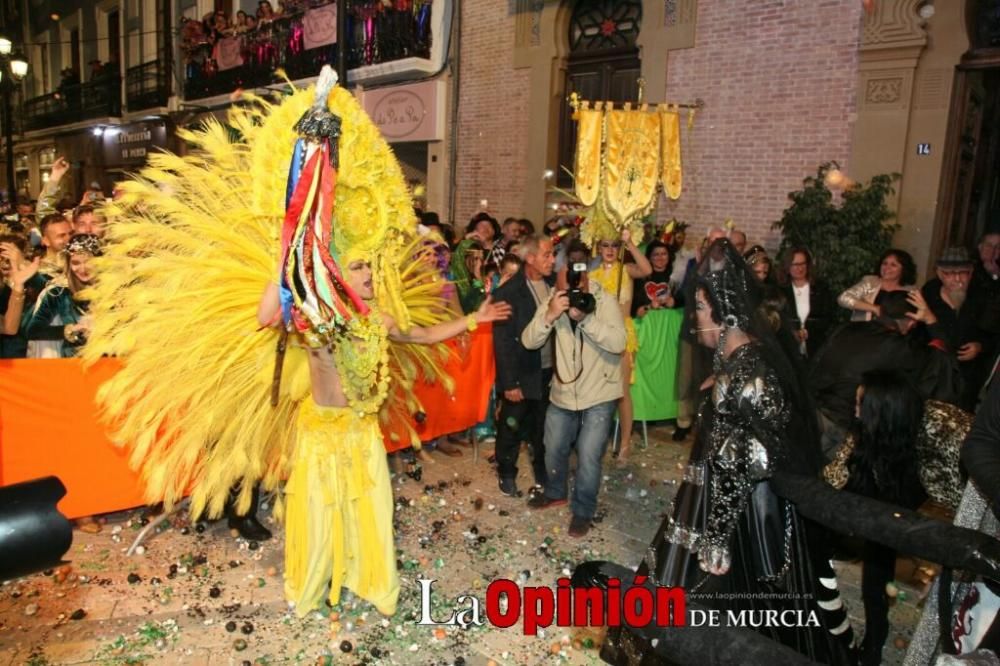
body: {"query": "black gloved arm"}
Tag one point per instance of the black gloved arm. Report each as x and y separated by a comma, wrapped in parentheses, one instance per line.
(981, 450)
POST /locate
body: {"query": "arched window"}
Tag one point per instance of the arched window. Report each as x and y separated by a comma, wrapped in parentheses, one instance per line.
(984, 25)
(604, 25)
(603, 63)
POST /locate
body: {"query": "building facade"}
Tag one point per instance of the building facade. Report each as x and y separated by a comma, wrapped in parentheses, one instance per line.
(909, 87)
(111, 80)
(473, 94)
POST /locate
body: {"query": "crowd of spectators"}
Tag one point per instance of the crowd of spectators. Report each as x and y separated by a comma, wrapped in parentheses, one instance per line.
(940, 337)
(566, 357)
(45, 252)
(258, 33)
(380, 30)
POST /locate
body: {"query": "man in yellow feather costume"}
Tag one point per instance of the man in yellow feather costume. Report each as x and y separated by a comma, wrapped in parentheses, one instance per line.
(193, 243)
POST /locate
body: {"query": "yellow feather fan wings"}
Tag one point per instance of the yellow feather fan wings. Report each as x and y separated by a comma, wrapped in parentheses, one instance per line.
(191, 245)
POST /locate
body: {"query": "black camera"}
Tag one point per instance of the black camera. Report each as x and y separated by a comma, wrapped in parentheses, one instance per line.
(578, 298)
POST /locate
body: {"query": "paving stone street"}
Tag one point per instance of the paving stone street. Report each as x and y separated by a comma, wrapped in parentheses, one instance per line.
(197, 595)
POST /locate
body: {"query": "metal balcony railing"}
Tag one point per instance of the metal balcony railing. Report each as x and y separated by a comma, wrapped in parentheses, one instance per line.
(101, 98)
(147, 86)
(383, 36)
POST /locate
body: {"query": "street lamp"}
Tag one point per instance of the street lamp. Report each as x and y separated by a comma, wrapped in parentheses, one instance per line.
(13, 68)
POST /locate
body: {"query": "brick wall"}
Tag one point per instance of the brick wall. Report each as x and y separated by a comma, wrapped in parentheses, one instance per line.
(493, 114)
(778, 78)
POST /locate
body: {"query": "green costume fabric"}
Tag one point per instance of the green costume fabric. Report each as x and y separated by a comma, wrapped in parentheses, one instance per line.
(654, 391)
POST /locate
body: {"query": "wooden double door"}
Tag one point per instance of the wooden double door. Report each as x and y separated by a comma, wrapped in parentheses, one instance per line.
(970, 193)
(607, 79)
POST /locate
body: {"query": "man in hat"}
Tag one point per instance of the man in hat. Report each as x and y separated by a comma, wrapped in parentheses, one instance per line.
(959, 312)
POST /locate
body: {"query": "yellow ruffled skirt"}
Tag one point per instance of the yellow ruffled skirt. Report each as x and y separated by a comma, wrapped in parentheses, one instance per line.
(338, 512)
(631, 346)
(631, 337)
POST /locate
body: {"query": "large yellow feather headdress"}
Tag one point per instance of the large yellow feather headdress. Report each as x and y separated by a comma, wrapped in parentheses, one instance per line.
(191, 245)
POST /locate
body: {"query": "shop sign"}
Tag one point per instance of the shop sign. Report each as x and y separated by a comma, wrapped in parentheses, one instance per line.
(408, 112)
(319, 26)
(130, 145)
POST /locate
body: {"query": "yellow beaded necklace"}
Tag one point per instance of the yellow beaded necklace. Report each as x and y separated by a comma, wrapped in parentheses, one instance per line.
(608, 279)
(361, 352)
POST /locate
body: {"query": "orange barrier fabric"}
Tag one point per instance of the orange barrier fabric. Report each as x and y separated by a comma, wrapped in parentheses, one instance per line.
(472, 368)
(49, 426)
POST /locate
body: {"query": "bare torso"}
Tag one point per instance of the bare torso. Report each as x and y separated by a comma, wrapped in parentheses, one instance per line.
(327, 390)
(325, 380)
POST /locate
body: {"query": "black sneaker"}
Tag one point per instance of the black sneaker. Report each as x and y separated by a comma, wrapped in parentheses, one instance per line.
(578, 527)
(249, 528)
(540, 501)
(680, 434)
(509, 488)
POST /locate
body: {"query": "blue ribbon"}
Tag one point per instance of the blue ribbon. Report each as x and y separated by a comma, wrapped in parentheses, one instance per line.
(294, 173)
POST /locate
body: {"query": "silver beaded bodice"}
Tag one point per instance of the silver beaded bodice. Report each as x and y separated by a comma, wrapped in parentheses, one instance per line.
(750, 416)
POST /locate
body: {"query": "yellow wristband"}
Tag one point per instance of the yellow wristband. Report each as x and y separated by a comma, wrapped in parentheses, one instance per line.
(470, 323)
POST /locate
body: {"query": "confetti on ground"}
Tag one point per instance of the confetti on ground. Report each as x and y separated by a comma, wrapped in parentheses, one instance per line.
(198, 595)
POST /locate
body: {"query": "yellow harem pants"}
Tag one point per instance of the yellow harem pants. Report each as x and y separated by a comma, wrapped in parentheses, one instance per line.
(338, 512)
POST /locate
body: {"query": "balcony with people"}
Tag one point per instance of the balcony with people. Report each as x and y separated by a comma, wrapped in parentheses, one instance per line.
(222, 54)
(73, 100)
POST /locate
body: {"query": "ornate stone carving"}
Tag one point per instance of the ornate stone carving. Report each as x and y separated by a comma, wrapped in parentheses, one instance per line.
(933, 88)
(679, 21)
(894, 23)
(679, 12)
(528, 22)
(884, 91)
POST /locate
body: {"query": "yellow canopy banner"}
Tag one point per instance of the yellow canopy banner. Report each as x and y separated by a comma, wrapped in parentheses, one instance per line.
(632, 162)
(587, 176)
(670, 151)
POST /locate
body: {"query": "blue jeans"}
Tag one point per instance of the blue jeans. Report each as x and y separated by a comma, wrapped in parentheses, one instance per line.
(589, 428)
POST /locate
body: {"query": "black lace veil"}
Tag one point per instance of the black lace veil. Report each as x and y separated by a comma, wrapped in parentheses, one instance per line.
(737, 301)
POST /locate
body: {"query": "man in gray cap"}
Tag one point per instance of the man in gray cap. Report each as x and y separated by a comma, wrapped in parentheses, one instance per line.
(959, 313)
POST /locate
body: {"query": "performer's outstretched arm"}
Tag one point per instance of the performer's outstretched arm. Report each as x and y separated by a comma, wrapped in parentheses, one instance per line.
(488, 311)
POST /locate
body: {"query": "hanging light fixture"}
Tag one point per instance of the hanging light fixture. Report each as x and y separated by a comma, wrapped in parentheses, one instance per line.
(6, 46)
(18, 66)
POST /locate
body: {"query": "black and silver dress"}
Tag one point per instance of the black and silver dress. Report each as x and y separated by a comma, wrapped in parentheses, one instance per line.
(726, 511)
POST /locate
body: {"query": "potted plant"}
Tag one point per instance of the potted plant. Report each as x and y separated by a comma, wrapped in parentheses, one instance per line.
(846, 237)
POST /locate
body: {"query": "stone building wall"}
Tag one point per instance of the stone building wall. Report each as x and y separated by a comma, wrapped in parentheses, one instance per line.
(779, 81)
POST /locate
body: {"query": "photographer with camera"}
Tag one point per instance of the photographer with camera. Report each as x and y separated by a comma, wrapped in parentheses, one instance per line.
(589, 342)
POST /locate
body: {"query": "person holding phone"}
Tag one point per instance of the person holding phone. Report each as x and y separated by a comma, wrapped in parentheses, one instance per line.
(655, 291)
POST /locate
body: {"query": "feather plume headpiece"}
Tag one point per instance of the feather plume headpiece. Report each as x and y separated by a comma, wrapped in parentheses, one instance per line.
(189, 248)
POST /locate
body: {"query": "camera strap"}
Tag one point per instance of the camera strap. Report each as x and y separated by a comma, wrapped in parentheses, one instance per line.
(555, 355)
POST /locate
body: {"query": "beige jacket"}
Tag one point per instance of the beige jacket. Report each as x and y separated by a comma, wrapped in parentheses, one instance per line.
(866, 290)
(592, 354)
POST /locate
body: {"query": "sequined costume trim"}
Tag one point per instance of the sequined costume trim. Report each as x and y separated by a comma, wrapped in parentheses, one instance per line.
(750, 415)
(682, 535)
(694, 473)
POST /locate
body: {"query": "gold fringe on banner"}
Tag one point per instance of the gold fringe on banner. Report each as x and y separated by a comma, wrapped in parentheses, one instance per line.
(631, 164)
(587, 176)
(670, 148)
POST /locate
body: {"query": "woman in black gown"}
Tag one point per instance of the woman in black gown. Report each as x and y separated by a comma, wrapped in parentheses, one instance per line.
(730, 541)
